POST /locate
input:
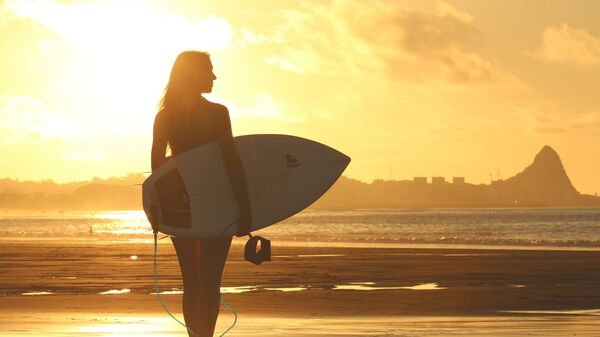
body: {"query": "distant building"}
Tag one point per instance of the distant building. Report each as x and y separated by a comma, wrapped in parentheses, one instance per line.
(420, 180)
(458, 180)
(437, 180)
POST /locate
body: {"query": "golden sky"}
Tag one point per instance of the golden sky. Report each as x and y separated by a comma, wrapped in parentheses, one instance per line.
(406, 88)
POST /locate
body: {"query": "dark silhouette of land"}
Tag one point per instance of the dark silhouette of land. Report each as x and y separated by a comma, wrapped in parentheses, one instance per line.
(544, 183)
(99, 194)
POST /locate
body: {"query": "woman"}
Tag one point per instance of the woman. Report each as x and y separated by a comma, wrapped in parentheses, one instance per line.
(186, 120)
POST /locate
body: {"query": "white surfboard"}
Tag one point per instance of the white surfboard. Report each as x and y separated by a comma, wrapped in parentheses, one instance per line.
(285, 174)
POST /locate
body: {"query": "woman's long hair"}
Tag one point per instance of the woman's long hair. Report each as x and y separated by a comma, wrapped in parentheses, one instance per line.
(181, 93)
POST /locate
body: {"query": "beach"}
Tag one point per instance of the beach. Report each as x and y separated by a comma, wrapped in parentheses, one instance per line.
(95, 288)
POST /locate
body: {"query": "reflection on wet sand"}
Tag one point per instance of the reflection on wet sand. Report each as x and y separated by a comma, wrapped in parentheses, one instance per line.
(298, 296)
(368, 286)
(237, 290)
(93, 325)
(320, 255)
(115, 292)
(37, 293)
(124, 326)
(591, 312)
(173, 291)
(288, 289)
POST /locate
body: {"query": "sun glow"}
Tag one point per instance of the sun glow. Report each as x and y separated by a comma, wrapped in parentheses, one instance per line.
(120, 52)
(103, 66)
(129, 326)
(82, 79)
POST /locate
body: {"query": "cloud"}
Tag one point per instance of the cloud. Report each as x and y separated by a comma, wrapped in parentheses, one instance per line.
(548, 122)
(111, 59)
(444, 9)
(25, 119)
(289, 63)
(564, 43)
(121, 26)
(83, 155)
(358, 39)
(266, 108)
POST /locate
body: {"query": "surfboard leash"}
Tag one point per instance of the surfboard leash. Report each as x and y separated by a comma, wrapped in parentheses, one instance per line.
(165, 307)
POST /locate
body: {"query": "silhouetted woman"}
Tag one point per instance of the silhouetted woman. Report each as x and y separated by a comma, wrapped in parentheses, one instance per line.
(186, 119)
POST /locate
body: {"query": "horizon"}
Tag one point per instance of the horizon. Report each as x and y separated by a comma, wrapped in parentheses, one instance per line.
(408, 88)
(427, 179)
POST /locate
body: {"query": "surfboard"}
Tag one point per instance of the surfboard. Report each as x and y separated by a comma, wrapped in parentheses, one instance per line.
(285, 174)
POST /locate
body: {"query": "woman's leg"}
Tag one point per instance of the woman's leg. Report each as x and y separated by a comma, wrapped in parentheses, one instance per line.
(201, 263)
(186, 254)
(213, 254)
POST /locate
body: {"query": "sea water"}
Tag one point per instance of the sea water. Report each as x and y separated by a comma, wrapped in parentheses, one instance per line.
(527, 227)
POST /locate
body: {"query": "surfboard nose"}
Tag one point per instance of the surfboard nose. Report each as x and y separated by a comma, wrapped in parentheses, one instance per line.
(332, 157)
(342, 158)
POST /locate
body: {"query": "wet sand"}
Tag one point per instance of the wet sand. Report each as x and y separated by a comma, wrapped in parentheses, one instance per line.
(308, 291)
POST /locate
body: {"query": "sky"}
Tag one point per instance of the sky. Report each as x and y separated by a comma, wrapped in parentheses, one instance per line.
(406, 88)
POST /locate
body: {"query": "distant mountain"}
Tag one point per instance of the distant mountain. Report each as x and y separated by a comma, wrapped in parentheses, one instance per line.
(108, 197)
(50, 187)
(99, 194)
(544, 183)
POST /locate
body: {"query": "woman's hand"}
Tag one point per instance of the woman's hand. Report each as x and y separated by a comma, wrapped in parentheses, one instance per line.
(245, 223)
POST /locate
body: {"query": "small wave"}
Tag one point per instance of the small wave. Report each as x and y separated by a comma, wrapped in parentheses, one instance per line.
(560, 229)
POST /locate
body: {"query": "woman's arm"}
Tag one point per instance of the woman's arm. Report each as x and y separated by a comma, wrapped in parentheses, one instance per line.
(236, 172)
(159, 142)
(157, 157)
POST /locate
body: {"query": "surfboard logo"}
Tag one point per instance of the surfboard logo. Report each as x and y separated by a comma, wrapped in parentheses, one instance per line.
(291, 161)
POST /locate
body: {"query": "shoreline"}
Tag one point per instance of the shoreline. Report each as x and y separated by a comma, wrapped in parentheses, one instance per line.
(115, 240)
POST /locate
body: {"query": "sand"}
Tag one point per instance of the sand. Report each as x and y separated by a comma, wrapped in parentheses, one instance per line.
(304, 291)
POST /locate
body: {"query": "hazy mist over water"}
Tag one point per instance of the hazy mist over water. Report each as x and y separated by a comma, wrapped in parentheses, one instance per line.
(520, 226)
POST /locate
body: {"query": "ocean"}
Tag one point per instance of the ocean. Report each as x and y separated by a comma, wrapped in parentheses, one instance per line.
(569, 228)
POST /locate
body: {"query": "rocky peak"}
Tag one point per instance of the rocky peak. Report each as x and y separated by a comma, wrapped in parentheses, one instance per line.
(547, 157)
(544, 179)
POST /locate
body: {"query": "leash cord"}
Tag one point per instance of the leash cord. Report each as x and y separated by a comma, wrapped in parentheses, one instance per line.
(165, 307)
